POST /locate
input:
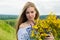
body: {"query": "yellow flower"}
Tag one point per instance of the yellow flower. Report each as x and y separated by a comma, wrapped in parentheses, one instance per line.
(42, 34)
(35, 27)
(32, 33)
(45, 34)
(40, 39)
(45, 25)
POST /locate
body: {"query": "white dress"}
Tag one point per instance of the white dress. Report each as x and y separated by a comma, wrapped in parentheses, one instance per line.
(24, 33)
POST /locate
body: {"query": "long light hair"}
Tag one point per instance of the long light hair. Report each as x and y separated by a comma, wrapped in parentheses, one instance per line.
(23, 17)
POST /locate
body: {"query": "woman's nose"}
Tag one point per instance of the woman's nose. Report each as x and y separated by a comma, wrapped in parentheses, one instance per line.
(30, 14)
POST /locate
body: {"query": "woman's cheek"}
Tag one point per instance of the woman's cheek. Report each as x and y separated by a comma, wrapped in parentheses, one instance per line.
(33, 15)
(27, 16)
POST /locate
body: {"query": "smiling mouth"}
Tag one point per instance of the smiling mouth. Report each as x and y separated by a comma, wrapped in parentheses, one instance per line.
(30, 17)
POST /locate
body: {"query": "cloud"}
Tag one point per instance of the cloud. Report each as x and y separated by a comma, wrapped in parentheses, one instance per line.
(44, 6)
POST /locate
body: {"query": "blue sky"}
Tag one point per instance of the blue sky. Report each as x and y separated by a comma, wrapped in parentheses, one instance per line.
(14, 7)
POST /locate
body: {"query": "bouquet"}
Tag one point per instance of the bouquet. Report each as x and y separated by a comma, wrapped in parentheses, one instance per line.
(44, 27)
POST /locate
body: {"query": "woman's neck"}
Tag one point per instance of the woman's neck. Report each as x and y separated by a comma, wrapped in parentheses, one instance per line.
(30, 22)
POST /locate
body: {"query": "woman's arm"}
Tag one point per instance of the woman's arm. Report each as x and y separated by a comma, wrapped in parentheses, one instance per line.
(20, 34)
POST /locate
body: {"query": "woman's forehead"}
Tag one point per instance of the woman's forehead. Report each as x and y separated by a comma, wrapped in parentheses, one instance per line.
(30, 9)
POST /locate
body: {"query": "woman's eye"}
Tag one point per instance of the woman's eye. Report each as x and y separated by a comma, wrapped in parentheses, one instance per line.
(27, 12)
(32, 11)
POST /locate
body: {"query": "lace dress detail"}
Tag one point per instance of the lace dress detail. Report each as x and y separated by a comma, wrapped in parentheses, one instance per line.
(24, 33)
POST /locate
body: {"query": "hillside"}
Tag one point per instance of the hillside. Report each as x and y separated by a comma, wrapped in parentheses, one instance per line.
(6, 31)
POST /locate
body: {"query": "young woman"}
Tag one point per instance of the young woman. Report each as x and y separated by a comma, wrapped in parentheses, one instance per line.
(26, 21)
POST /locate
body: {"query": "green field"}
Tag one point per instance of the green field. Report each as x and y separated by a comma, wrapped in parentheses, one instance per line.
(7, 32)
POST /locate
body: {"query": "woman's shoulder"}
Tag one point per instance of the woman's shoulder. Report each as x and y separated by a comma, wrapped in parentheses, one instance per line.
(23, 25)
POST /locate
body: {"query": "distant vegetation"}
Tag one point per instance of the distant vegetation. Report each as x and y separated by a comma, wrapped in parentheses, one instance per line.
(5, 17)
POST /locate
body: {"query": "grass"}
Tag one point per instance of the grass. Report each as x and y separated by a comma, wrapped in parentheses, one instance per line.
(6, 31)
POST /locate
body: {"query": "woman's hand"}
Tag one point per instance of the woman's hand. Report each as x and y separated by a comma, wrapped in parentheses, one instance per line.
(51, 37)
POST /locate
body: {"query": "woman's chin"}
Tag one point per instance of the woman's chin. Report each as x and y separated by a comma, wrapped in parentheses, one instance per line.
(31, 20)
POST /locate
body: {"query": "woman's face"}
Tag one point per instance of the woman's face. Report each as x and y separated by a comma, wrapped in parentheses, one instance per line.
(30, 13)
